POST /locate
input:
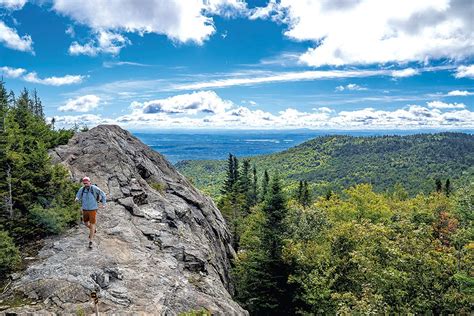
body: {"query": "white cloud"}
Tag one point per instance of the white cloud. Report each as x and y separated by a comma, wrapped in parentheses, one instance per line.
(374, 31)
(351, 87)
(70, 31)
(181, 21)
(10, 38)
(465, 72)
(12, 4)
(111, 64)
(443, 105)
(81, 104)
(271, 77)
(407, 72)
(11, 72)
(410, 117)
(459, 93)
(105, 43)
(53, 81)
(192, 103)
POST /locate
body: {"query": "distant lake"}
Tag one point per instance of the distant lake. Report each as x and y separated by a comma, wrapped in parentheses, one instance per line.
(199, 145)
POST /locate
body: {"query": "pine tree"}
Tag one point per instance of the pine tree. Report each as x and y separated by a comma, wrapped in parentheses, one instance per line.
(299, 193)
(265, 183)
(230, 176)
(254, 197)
(274, 208)
(305, 196)
(447, 188)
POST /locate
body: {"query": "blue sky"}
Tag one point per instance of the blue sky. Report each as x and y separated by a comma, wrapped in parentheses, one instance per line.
(234, 64)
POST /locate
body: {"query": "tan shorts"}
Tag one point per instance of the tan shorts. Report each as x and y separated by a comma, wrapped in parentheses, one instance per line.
(89, 216)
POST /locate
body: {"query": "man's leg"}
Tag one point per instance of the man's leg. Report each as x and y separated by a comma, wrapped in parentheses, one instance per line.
(91, 231)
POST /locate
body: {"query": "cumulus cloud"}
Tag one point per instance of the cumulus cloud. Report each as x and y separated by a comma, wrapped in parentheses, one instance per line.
(373, 31)
(53, 81)
(12, 4)
(465, 72)
(9, 72)
(10, 38)
(350, 87)
(443, 105)
(181, 21)
(407, 72)
(459, 93)
(191, 103)
(105, 43)
(81, 104)
(410, 117)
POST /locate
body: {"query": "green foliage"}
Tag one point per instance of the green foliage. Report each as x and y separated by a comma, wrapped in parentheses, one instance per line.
(36, 197)
(366, 252)
(9, 254)
(55, 219)
(160, 187)
(334, 163)
(199, 312)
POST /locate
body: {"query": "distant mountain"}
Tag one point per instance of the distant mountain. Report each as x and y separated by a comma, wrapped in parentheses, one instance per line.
(337, 162)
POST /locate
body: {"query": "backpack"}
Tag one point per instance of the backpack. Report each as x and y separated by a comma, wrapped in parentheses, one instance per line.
(91, 190)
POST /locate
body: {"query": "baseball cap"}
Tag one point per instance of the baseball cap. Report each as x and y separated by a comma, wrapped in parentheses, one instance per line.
(86, 179)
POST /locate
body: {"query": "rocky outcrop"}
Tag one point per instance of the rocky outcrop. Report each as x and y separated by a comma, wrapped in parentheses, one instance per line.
(162, 247)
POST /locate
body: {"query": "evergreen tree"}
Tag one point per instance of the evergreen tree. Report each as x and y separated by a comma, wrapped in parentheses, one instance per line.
(299, 193)
(439, 186)
(254, 197)
(265, 183)
(447, 188)
(230, 175)
(305, 196)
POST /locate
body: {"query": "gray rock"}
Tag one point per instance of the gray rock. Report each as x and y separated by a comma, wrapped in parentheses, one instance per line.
(161, 247)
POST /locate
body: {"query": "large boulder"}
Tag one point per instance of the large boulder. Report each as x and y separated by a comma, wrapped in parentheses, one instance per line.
(161, 247)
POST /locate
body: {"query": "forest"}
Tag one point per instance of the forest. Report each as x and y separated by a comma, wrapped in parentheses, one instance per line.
(357, 251)
(36, 197)
(336, 162)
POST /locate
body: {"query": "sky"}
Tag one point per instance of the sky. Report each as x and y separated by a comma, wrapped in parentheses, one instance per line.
(235, 64)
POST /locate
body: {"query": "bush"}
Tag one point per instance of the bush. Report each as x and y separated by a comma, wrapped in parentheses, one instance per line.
(55, 219)
(9, 254)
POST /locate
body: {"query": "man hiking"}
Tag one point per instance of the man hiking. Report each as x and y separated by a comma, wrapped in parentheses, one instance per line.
(89, 196)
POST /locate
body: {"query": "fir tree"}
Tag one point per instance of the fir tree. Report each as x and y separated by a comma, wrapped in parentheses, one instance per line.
(265, 183)
(447, 188)
(439, 186)
(254, 197)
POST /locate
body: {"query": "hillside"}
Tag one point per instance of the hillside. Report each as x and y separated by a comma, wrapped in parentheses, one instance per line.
(337, 162)
(162, 247)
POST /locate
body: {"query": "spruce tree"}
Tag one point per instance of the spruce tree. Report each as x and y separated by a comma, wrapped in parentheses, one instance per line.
(265, 183)
(305, 196)
(447, 188)
(439, 186)
(230, 176)
(254, 198)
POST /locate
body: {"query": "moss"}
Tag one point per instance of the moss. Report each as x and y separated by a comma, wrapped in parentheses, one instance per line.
(160, 187)
(198, 312)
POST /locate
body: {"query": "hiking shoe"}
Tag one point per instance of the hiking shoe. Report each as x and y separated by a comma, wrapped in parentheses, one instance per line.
(90, 244)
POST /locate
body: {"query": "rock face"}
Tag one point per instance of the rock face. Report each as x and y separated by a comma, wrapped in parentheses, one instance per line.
(161, 246)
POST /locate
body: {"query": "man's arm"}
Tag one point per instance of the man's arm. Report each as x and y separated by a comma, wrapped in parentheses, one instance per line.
(103, 198)
(78, 194)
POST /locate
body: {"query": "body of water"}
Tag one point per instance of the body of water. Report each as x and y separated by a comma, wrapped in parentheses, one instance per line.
(198, 145)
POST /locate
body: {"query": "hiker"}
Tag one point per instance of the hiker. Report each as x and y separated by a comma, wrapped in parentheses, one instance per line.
(89, 196)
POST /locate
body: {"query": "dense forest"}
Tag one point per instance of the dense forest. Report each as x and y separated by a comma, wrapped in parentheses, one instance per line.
(36, 197)
(334, 163)
(356, 251)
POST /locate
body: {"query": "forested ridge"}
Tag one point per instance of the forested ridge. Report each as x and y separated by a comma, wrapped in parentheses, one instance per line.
(36, 197)
(354, 251)
(333, 163)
